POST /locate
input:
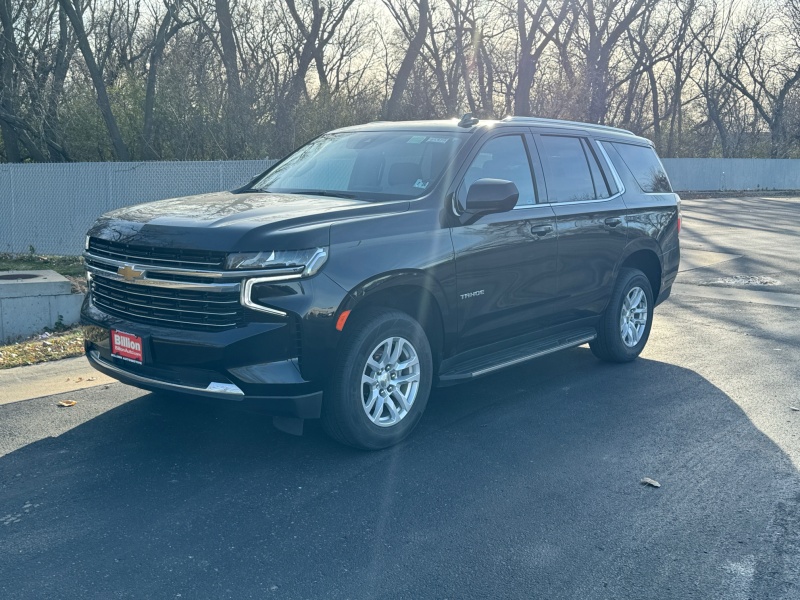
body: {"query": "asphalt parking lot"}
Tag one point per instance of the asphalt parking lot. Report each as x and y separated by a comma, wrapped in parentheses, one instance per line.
(525, 484)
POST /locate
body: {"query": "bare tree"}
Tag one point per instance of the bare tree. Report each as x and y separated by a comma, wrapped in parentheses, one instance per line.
(537, 24)
(75, 14)
(415, 30)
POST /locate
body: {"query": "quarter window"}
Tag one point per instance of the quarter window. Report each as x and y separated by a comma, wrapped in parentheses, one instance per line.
(502, 158)
(645, 167)
(571, 170)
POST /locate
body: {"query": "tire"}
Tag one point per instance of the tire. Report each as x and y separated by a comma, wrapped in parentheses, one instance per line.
(612, 343)
(362, 407)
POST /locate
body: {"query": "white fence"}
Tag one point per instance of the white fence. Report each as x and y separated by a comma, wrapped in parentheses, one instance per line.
(50, 206)
(732, 174)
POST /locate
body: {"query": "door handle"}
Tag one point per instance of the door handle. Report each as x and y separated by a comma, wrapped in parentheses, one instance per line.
(613, 221)
(541, 230)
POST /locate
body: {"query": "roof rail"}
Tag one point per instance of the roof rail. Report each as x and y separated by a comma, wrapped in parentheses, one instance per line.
(543, 121)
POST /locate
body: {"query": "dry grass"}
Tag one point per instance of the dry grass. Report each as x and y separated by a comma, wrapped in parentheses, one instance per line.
(42, 348)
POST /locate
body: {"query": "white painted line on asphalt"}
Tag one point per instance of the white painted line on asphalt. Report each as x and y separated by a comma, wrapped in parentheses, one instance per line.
(45, 379)
(737, 295)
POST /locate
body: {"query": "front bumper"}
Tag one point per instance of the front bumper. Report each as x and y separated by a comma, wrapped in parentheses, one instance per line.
(255, 366)
(306, 406)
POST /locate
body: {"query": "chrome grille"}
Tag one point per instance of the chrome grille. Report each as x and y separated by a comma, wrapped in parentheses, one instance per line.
(155, 256)
(168, 307)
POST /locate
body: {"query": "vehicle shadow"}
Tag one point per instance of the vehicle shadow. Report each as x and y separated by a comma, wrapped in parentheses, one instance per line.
(521, 485)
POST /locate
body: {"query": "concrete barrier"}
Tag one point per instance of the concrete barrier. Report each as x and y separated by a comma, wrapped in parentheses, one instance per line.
(30, 301)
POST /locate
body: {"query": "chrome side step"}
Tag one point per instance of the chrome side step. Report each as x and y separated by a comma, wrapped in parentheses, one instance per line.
(532, 356)
(513, 356)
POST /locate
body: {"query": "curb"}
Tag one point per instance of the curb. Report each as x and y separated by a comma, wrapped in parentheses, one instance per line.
(45, 379)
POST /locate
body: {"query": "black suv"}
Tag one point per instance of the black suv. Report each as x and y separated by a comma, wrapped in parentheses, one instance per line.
(377, 261)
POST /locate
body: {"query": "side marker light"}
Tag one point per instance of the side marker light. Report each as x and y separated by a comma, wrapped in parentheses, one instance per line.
(341, 320)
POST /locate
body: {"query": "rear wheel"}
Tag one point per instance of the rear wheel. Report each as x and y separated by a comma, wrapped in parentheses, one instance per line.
(380, 385)
(625, 326)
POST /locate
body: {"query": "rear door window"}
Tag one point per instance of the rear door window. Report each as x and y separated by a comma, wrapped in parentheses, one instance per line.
(572, 172)
(645, 167)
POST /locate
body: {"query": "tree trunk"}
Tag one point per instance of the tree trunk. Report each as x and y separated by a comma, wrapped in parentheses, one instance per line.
(114, 134)
(522, 95)
(234, 108)
(404, 72)
(598, 90)
(8, 52)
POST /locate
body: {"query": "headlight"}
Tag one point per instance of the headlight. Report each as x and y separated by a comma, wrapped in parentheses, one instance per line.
(310, 261)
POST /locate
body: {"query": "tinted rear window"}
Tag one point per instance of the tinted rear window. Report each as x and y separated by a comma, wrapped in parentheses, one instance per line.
(645, 167)
(571, 170)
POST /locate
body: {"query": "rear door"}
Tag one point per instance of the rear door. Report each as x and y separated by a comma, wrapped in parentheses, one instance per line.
(505, 263)
(590, 220)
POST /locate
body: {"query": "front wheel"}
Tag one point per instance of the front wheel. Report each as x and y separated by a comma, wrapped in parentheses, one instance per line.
(625, 326)
(380, 385)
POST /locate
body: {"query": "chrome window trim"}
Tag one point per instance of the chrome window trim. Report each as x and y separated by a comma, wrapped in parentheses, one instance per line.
(187, 273)
(537, 205)
(595, 201)
(247, 290)
(611, 168)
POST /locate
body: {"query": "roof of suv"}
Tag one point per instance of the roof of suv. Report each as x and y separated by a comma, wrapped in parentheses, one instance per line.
(454, 125)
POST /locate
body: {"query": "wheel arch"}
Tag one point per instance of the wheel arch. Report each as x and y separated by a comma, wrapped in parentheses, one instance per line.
(646, 258)
(412, 292)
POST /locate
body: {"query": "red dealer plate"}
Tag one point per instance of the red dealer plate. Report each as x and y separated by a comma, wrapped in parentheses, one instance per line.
(126, 346)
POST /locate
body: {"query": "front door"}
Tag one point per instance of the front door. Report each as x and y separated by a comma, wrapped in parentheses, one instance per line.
(505, 263)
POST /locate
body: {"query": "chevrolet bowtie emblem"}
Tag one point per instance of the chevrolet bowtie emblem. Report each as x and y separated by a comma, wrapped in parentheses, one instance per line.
(128, 273)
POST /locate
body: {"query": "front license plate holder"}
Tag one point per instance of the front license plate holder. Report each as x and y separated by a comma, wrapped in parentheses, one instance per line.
(127, 346)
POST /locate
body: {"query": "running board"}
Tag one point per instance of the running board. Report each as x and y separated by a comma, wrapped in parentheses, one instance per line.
(484, 365)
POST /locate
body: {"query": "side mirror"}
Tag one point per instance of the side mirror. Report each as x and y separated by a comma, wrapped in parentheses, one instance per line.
(491, 196)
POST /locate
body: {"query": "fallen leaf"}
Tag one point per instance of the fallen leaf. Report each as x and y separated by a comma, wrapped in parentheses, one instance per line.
(67, 403)
(651, 482)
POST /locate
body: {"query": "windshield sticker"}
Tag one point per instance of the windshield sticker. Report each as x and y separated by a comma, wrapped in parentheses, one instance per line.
(435, 140)
(421, 184)
(416, 139)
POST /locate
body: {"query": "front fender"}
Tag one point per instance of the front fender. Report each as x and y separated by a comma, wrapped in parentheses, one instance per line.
(385, 283)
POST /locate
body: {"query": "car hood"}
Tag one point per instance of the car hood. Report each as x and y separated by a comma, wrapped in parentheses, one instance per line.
(236, 221)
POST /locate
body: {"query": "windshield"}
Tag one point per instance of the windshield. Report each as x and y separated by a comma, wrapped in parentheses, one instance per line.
(368, 165)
